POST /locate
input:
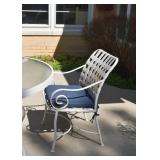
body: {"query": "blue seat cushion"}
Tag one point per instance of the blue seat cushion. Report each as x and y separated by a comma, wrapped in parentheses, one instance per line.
(77, 99)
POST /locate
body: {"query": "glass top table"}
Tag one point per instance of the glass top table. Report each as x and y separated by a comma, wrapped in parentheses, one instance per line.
(36, 75)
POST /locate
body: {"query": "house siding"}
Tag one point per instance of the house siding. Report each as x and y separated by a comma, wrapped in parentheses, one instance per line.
(53, 45)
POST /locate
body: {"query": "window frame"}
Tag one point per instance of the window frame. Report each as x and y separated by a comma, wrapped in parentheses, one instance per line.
(127, 15)
(56, 29)
(68, 25)
(39, 25)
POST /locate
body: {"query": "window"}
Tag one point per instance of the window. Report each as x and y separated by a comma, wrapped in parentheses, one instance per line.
(55, 19)
(122, 21)
(133, 11)
(35, 14)
(132, 25)
(127, 23)
(123, 10)
(71, 14)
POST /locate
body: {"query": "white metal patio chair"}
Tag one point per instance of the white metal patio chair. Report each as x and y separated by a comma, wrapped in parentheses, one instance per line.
(83, 97)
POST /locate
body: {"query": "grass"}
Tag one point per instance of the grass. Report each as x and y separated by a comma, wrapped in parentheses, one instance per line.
(63, 62)
(66, 63)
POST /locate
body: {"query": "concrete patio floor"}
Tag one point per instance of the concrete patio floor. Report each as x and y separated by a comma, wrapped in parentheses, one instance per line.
(117, 122)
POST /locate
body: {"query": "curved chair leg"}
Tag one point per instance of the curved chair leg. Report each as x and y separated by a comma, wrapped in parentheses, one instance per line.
(55, 132)
(23, 116)
(23, 151)
(23, 113)
(85, 116)
(44, 116)
(99, 132)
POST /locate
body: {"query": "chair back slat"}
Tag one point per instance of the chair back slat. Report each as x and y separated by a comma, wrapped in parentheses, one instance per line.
(97, 68)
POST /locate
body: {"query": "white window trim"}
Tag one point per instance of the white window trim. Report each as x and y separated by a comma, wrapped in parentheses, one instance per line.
(128, 15)
(38, 25)
(52, 28)
(128, 10)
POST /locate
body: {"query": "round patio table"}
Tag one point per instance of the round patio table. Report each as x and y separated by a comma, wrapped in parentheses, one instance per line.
(36, 75)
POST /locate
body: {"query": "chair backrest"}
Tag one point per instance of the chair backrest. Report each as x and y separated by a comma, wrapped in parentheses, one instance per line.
(97, 68)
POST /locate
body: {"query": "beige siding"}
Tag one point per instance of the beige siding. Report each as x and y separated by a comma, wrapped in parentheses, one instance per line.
(52, 45)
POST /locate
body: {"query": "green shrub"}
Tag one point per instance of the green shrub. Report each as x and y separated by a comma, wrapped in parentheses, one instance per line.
(63, 62)
(117, 36)
(118, 81)
(66, 63)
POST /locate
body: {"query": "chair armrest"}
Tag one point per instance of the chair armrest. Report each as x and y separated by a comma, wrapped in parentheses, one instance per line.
(63, 96)
(70, 70)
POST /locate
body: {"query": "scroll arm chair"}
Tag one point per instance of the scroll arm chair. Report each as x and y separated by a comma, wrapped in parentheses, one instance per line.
(82, 98)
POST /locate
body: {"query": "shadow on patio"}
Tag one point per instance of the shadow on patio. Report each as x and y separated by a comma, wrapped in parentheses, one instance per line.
(108, 94)
(117, 122)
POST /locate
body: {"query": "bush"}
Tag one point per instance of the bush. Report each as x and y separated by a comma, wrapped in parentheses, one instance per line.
(118, 81)
(66, 63)
(63, 62)
(117, 36)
